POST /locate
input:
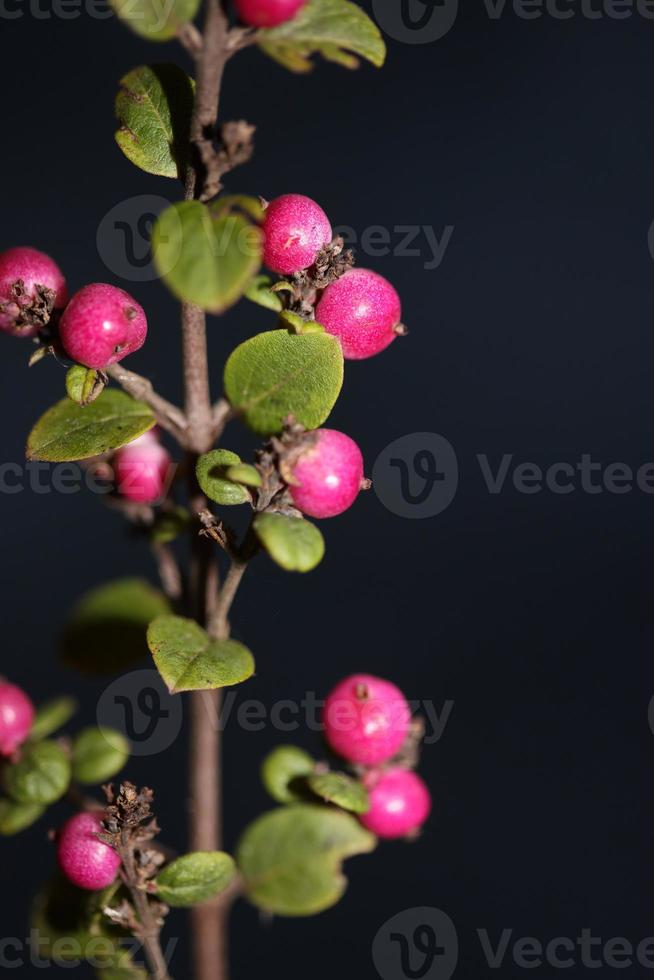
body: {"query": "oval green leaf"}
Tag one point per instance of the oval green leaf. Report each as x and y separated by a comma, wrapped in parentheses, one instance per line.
(246, 474)
(84, 385)
(106, 632)
(15, 817)
(68, 431)
(338, 30)
(211, 471)
(156, 20)
(276, 374)
(42, 775)
(188, 659)
(98, 755)
(154, 107)
(203, 257)
(281, 767)
(340, 789)
(291, 857)
(292, 542)
(51, 716)
(195, 878)
(260, 292)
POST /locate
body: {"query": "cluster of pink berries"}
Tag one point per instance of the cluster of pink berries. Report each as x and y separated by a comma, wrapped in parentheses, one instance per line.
(367, 722)
(99, 326)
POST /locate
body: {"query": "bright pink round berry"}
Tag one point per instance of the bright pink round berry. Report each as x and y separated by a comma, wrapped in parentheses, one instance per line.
(267, 13)
(86, 861)
(366, 719)
(101, 325)
(31, 286)
(141, 470)
(295, 229)
(363, 310)
(399, 804)
(16, 717)
(328, 475)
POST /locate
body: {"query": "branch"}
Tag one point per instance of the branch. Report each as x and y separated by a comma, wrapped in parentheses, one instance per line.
(169, 573)
(221, 414)
(169, 417)
(239, 38)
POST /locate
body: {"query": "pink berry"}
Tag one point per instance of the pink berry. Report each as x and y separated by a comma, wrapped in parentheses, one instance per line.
(399, 804)
(295, 229)
(366, 719)
(86, 861)
(141, 469)
(101, 325)
(363, 310)
(327, 476)
(31, 286)
(16, 717)
(267, 13)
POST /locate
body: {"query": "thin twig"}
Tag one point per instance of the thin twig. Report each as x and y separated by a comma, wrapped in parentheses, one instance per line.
(190, 38)
(169, 417)
(169, 572)
(219, 625)
(221, 413)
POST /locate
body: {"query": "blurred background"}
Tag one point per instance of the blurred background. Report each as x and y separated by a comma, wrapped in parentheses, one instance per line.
(530, 614)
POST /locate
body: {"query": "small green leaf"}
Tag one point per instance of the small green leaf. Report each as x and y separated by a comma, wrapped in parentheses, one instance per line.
(195, 878)
(211, 471)
(294, 543)
(244, 203)
(204, 257)
(291, 857)
(42, 775)
(297, 324)
(106, 630)
(170, 525)
(333, 28)
(340, 789)
(83, 385)
(260, 292)
(276, 374)
(52, 715)
(189, 660)
(245, 473)
(281, 767)
(15, 817)
(68, 924)
(156, 20)
(154, 107)
(68, 431)
(98, 755)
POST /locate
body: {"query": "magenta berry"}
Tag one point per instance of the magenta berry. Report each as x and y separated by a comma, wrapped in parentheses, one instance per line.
(366, 719)
(363, 310)
(327, 476)
(399, 803)
(86, 861)
(16, 717)
(31, 286)
(267, 13)
(141, 469)
(295, 229)
(101, 325)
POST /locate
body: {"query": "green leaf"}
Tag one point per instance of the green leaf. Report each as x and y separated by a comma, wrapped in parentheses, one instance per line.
(98, 755)
(294, 543)
(68, 924)
(106, 631)
(154, 107)
(259, 291)
(281, 767)
(291, 857)
(189, 660)
(246, 474)
(156, 20)
(211, 471)
(52, 715)
(42, 775)
(204, 257)
(338, 30)
(195, 878)
(15, 817)
(169, 525)
(84, 385)
(68, 431)
(340, 789)
(276, 374)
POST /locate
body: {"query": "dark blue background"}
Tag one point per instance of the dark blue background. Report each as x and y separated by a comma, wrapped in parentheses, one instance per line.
(534, 614)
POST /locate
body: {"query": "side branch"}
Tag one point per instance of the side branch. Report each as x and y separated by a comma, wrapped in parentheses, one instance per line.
(169, 417)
